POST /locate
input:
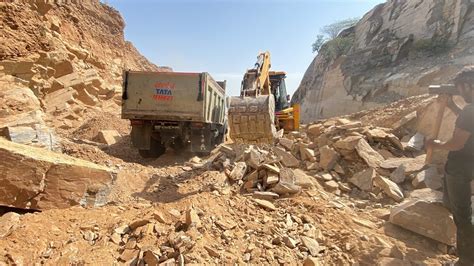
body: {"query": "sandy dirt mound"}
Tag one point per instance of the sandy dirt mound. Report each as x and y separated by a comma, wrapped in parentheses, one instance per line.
(107, 121)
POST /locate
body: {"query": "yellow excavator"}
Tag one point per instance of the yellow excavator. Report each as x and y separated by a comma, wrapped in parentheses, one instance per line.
(263, 106)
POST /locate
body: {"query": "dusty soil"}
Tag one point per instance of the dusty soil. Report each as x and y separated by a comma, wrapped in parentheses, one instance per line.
(233, 228)
(171, 211)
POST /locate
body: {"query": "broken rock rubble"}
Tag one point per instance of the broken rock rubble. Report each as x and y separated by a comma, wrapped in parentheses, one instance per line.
(108, 137)
(335, 154)
(264, 178)
(364, 179)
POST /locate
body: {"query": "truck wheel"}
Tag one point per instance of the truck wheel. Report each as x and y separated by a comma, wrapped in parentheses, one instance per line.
(145, 153)
(178, 145)
(156, 149)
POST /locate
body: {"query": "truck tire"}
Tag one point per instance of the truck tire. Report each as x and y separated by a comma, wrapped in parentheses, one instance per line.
(156, 149)
(178, 145)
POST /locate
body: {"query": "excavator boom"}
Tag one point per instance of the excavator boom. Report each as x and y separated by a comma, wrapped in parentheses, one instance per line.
(256, 81)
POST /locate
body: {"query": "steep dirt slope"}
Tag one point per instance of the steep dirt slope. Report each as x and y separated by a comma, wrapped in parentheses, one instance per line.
(396, 50)
(87, 33)
(61, 62)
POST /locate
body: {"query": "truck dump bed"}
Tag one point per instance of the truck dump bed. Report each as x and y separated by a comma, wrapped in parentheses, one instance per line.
(172, 96)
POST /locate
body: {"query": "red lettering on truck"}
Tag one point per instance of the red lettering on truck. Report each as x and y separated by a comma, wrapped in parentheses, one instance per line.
(162, 97)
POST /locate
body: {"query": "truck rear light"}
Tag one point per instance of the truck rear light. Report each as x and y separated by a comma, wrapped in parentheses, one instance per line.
(197, 125)
(137, 122)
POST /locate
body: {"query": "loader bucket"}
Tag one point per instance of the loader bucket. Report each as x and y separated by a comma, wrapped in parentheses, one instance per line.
(252, 119)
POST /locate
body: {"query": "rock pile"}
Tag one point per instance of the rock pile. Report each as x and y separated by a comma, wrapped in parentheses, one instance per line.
(338, 156)
(319, 196)
(336, 153)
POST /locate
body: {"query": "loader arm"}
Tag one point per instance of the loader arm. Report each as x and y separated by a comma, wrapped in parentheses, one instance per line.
(263, 75)
(256, 80)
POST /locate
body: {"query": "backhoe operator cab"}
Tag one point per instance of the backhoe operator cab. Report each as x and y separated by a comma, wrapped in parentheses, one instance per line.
(278, 87)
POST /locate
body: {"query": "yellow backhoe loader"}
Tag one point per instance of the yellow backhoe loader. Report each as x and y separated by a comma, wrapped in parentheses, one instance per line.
(263, 105)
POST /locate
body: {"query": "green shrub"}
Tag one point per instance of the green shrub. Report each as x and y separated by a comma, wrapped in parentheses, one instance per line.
(331, 32)
(337, 47)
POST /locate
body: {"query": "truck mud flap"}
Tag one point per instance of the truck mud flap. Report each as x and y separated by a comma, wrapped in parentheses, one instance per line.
(141, 136)
(201, 140)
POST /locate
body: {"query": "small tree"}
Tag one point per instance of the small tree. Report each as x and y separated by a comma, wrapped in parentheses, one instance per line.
(331, 31)
(320, 40)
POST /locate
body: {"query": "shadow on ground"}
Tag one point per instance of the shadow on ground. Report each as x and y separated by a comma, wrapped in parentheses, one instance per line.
(124, 150)
(165, 188)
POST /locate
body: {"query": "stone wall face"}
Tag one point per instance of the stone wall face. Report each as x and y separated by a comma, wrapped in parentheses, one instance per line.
(58, 61)
(399, 48)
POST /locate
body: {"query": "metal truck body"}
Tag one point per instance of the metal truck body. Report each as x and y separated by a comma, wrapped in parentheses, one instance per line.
(173, 109)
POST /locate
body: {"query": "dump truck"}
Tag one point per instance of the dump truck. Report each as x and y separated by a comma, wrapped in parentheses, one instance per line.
(184, 111)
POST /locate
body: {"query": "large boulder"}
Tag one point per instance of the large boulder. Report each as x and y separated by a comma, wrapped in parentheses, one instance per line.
(21, 117)
(429, 177)
(286, 158)
(63, 68)
(60, 100)
(108, 137)
(16, 104)
(35, 178)
(411, 164)
(36, 135)
(21, 69)
(427, 219)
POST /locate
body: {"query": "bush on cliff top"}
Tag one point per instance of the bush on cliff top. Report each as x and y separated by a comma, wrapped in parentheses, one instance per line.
(332, 31)
(333, 40)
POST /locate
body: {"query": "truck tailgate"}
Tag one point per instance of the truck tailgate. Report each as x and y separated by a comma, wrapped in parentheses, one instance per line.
(163, 96)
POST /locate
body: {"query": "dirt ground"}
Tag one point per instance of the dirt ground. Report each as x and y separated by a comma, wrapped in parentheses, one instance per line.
(232, 227)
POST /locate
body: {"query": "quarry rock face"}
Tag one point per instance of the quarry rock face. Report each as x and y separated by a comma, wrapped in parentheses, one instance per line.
(397, 50)
(59, 59)
(34, 178)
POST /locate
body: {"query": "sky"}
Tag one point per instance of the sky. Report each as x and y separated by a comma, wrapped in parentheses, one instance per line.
(223, 37)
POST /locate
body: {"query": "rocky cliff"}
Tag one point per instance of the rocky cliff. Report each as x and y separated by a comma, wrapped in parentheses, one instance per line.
(396, 50)
(60, 61)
